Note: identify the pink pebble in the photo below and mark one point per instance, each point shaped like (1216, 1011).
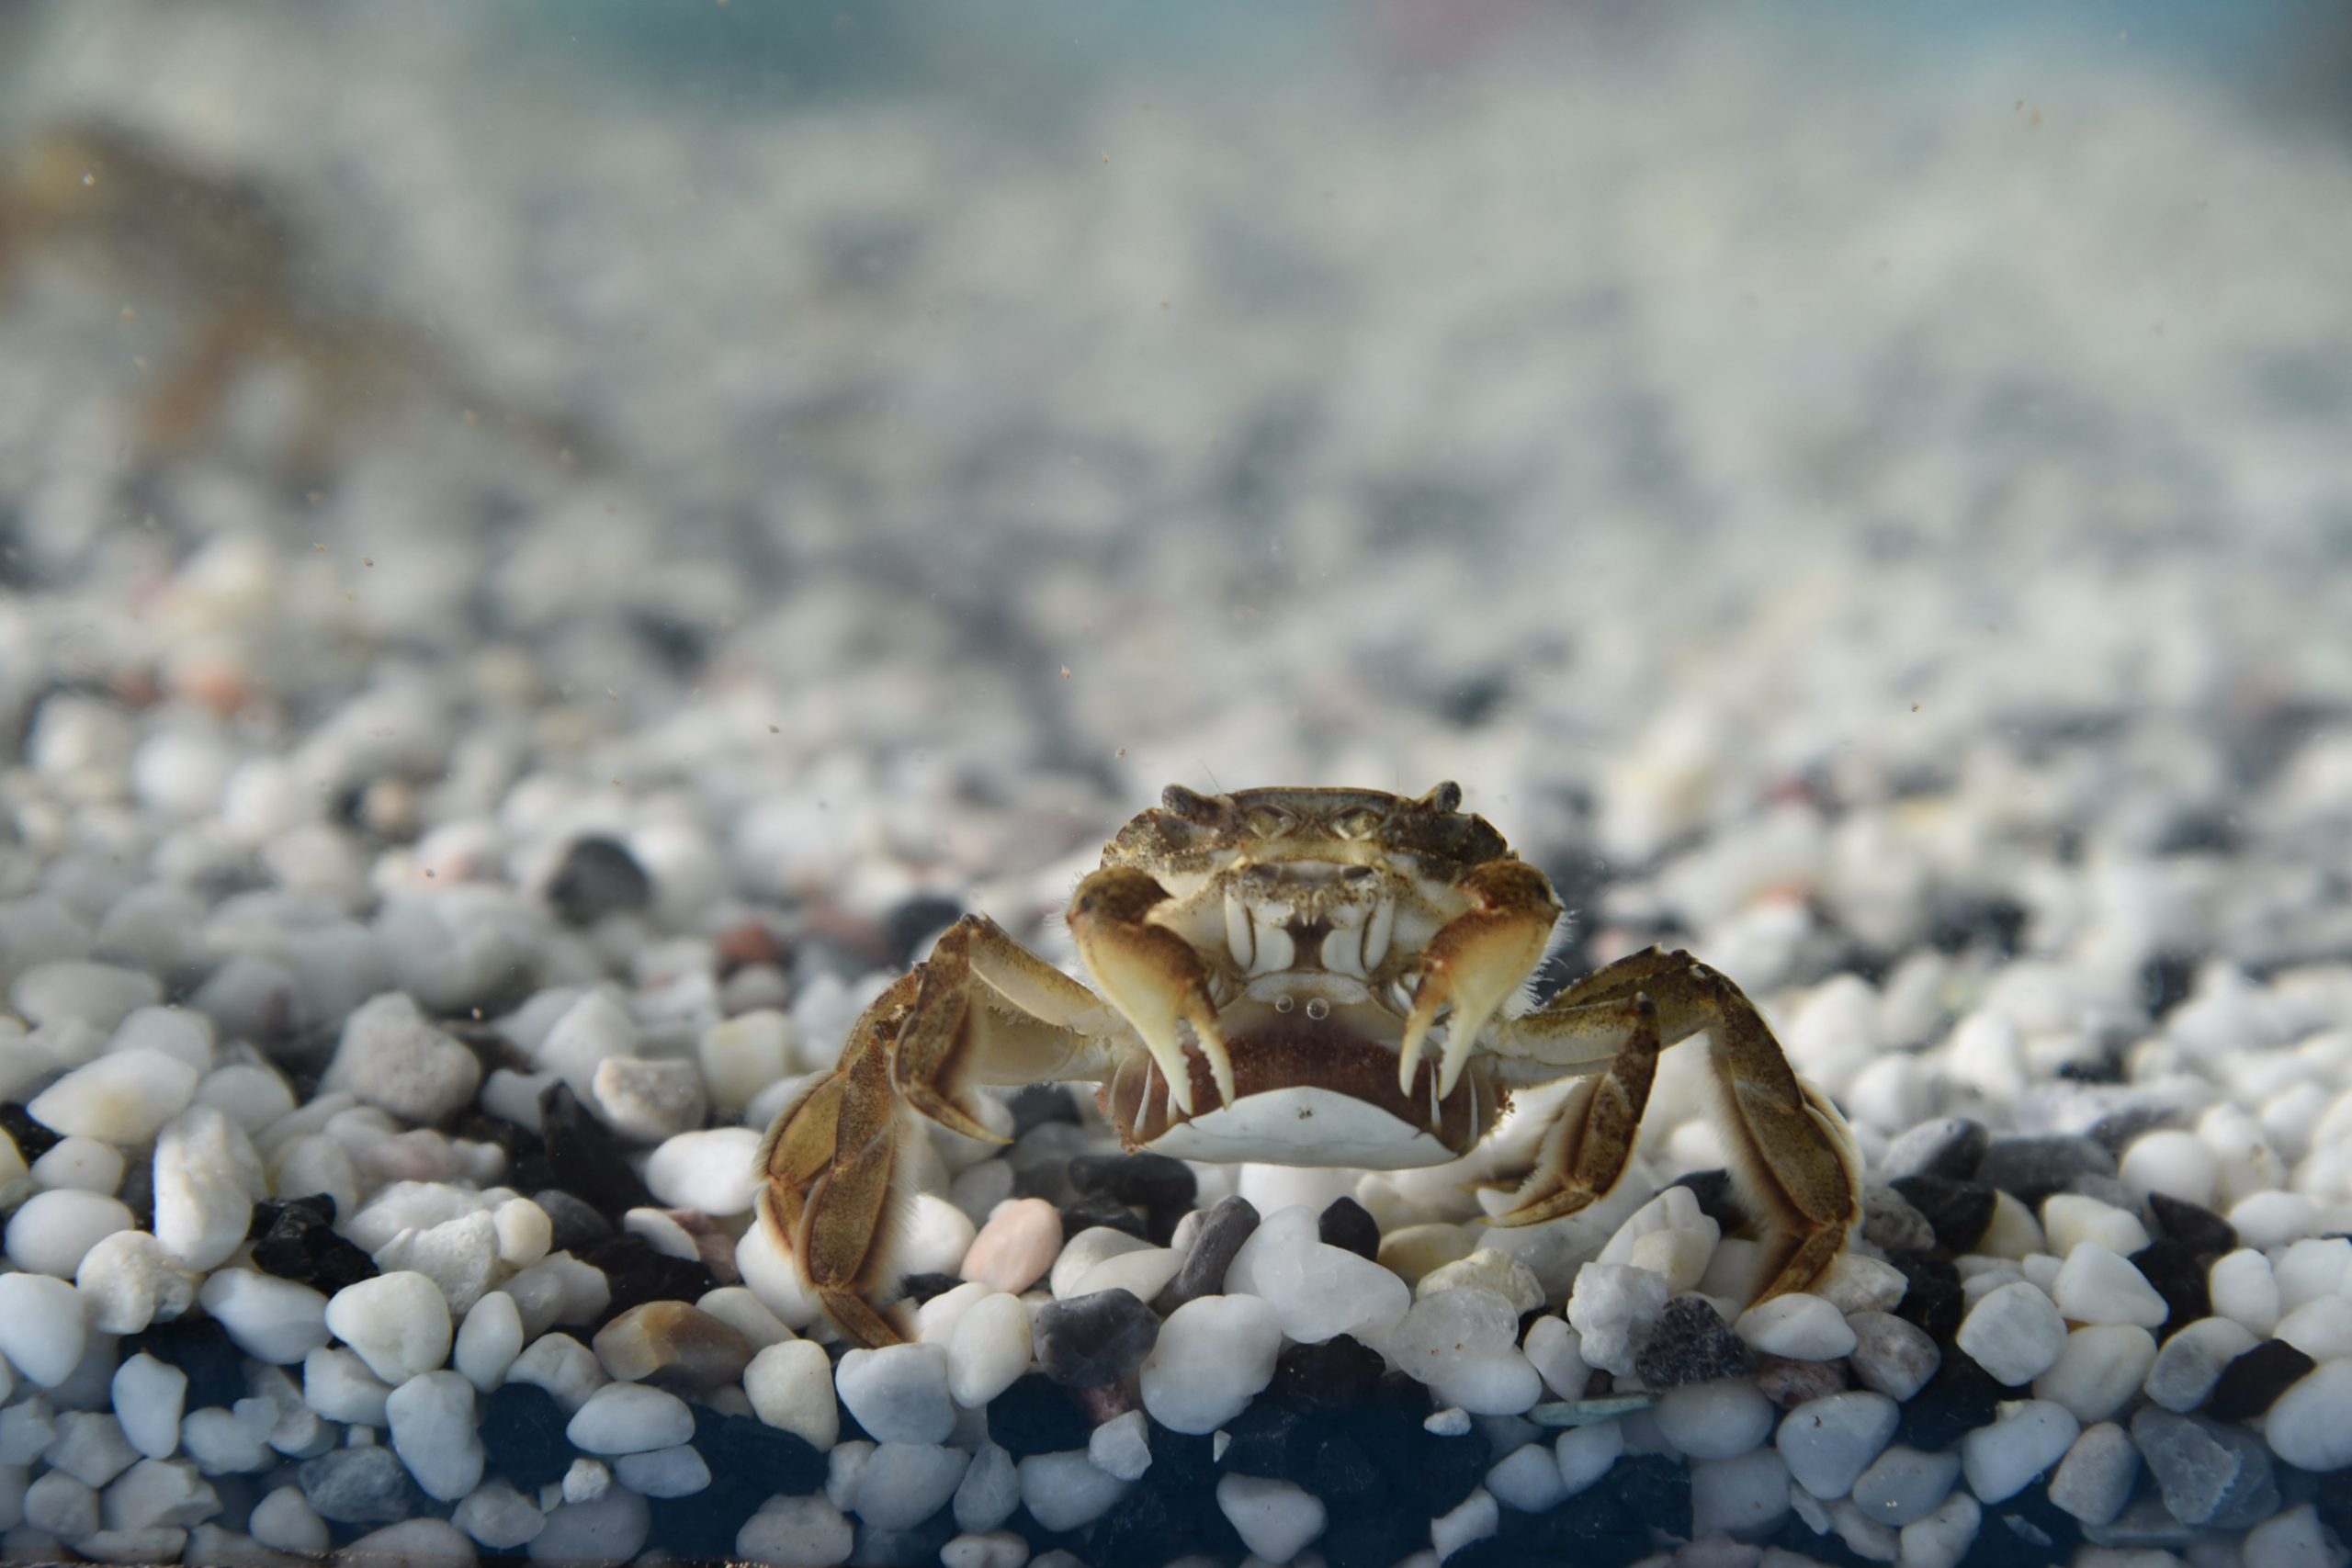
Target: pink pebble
(1016, 1246)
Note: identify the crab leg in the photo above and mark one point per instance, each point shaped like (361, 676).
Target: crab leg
(1584, 1153)
(1151, 975)
(1791, 1151)
(1476, 963)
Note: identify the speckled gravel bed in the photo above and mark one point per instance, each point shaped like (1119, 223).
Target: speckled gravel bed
(1825, 540)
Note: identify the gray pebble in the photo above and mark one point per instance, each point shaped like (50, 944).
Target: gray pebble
(2094, 1480)
(2211, 1474)
(1949, 1148)
(358, 1486)
(1893, 1355)
(1904, 1484)
(1223, 1228)
(2033, 1167)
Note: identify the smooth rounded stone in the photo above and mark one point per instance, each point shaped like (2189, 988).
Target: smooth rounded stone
(1450, 1422)
(796, 1532)
(2012, 1232)
(2027, 1437)
(122, 1098)
(2274, 1219)
(990, 1348)
(1585, 1454)
(52, 1232)
(567, 1369)
(1740, 1494)
(1903, 1484)
(1065, 1490)
(991, 1549)
(207, 1180)
(2252, 1384)
(1799, 1326)
(1121, 1445)
(2095, 1285)
(85, 1165)
(98, 994)
(285, 1522)
(1943, 1537)
(488, 1342)
(791, 1388)
(2102, 1367)
(1502, 1384)
(744, 1055)
(990, 1491)
(1713, 1420)
(399, 1323)
(674, 1344)
(648, 1100)
(902, 1484)
(1893, 1356)
(525, 1232)
(251, 1095)
(41, 1328)
(741, 1311)
(222, 1444)
(1487, 1269)
(1321, 1292)
(2069, 1219)
(1527, 1480)
(391, 1057)
(1222, 1229)
(664, 1234)
(90, 1447)
(630, 1418)
(1474, 1519)
(1451, 1326)
(1828, 1442)
(2310, 1426)
(2320, 1329)
(157, 1543)
(338, 1385)
(561, 1288)
(432, 1421)
(1612, 1308)
(713, 1172)
(2191, 1360)
(2311, 1269)
(366, 1485)
(1214, 1355)
(898, 1393)
(2015, 1333)
(1142, 1275)
(662, 1473)
(1409, 1252)
(149, 1397)
(2174, 1162)
(587, 1480)
(1551, 1349)
(1085, 1251)
(2294, 1539)
(496, 1515)
(2211, 1473)
(412, 1540)
(2245, 1288)
(460, 1256)
(63, 1507)
(1951, 1148)
(2095, 1480)
(1274, 1519)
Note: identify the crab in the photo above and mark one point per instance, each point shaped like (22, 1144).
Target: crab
(1303, 977)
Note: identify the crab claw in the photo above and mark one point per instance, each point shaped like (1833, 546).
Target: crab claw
(1476, 963)
(1151, 976)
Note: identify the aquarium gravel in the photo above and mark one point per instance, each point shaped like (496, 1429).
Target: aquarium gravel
(1839, 543)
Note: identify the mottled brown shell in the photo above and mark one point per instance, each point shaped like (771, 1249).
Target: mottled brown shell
(1189, 831)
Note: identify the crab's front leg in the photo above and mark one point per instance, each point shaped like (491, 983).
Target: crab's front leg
(1476, 963)
(1791, 1152)
(838, 1163)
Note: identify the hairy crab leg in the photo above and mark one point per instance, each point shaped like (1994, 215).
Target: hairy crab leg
(1584, 1153)
(1151, 975)
(1476, 963)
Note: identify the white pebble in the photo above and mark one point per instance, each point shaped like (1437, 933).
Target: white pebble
(990, 1490)
(391, 1057)
(1475, 1517)
(993, 1549)
(714, 1171)
(432, 1420)
(648, 1099)
(148, 1396)
(2310, 1426)
(568, 1369)
(2320, 1329)
(2295, 1538)
(741, 1311)
(83, 1164)
(498, 1517)
(1892, 1355)
(1318, 1291)
(2094, 1480)
(1214, 1355)
(90, 1447)
(791, 1387)
(796, 1532)
(1612, 1308)
(1121, 1445)
(158, 1493)
(902, 1484)
(989, 1350)
(2027, 1437)
(2102, 1367)
(221, 1444)
(2190, 1362)
(587, 1480)
(123, 1098)
(1829, 1441)
(629, 1417)
(2014, 1333)
(97, 994)
(399, 1323)
(2310, 1269)
(2096, 1285)
(41, 1330)
(52, 1232)
(2273, 1219)
(1943, 1537)
(2012, 1232)
(1065, 1490)
(1739, 1495)
(488, 1341)
(419, 1541)
(1274, 1519)
(898, 1393)
(1799, 1326)
(2069, 1219)
(2176, 1163)
(126, 1281)
(1713, 1420)
(664, 1473)
(744, 1055)
(1903, 1484)
(1527, 1480)
(206, 1181)
(247, 1093)
(62, 1505)
(2244, 1289)
(1552, 1348)
(338, 1385)
(1585, 1453)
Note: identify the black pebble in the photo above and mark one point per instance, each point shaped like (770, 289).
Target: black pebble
(920, 1288)
(1162, 1188)
(1035, 1104)
(1692, 1343)
(1654, 1489)
(1829, 1551)
(638, 1274)
(1949, 1148)
(1104, 1213)
(522, 1436)
(2201, 1230)
(749, 1461)
(1931, 1297)
(201, 1348)
(1370, 1536)
(1340, 1374)
(2178, 1276)
(2033, 1167)
(1959, 1398)
(294, 1238)
(2253, 1382)
(2025, 1530)
(1348, 1224)
(1717, 1199)
(575, 1226)
(598, 878)
(33, 1140)
(585, 1159)
(914, 921)
(1957, 1211)
(1093, 1339)
(1036, 1416)
(1226, 1225)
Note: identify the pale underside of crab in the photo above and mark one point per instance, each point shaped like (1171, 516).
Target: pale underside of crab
(1298, 976)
